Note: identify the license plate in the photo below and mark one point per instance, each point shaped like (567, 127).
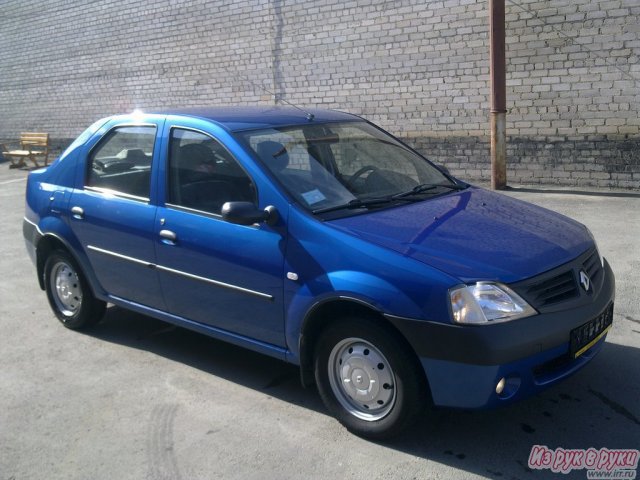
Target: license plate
(586, 336)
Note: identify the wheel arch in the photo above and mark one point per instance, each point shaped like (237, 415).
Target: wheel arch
(329, 311)
(48, 244)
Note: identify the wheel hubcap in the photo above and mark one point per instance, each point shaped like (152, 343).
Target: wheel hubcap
(362, 379)
(65, 286)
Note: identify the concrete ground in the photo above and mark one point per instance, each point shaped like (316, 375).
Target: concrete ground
(135, 398)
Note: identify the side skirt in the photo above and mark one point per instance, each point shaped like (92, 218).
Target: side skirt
(217, 333)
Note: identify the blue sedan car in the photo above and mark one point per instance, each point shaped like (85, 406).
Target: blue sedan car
(318, 238)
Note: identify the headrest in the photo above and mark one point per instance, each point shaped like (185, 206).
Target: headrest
(192, 155)
(274, 154)
(136, 155)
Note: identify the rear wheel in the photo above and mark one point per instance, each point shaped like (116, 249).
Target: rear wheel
(368, 379)
(68, 292)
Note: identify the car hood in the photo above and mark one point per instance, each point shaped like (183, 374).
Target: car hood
(474, 234)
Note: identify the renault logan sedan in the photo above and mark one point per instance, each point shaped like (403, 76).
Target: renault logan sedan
(319, 239)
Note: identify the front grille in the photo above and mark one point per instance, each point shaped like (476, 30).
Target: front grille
(548, 290)
(553, 290)
(593, 267)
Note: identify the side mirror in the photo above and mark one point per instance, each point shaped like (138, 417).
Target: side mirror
(246, 213)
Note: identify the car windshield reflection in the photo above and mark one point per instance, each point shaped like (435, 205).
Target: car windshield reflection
(349, 165)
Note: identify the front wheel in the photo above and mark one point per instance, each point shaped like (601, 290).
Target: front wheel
(68, 292)
(368, 379)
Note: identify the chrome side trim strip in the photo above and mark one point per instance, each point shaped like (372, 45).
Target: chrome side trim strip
(193, 210)
(228, 286)
(121, 257)
(266, 296)
(34, 224)
(203, 213)
(116, 193)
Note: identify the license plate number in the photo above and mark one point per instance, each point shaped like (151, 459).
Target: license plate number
(586, 336)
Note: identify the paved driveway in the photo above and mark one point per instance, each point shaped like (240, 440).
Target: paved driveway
(137, 398)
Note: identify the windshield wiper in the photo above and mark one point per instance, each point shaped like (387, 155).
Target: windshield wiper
(425, 187)
(355, 203)
(358, 203)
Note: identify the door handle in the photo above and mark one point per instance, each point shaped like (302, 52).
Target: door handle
(168, 236)
(77, 212)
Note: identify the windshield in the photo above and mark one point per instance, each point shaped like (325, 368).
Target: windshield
(347, 165)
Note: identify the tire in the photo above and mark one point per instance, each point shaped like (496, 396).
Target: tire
(69, 293)
(393, 389)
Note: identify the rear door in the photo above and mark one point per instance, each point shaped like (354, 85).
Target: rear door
(113, 216)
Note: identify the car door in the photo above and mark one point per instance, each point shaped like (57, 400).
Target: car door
(112, 214)
(213, 272)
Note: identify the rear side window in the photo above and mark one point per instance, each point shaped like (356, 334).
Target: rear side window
(121, 162)
(203, 175)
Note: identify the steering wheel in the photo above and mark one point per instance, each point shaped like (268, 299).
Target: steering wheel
(359, 173)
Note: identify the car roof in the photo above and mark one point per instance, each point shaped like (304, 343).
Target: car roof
(267, 116)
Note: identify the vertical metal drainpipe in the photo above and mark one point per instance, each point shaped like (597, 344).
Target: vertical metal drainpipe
(498, 96)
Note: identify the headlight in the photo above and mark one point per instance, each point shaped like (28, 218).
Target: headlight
(486, 303)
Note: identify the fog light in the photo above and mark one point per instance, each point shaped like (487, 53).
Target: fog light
(508, 386)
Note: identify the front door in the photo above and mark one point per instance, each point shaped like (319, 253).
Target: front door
(213, 272)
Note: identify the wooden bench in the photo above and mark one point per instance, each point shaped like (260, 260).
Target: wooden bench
(32, 146)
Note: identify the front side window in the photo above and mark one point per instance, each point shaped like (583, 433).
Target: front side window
(345, 165)
(203, 175)
(121, 162)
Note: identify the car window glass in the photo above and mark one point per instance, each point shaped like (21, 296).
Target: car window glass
(356, 150)
(122, 161)
(323, 165)
(304, 173)
(203, 175)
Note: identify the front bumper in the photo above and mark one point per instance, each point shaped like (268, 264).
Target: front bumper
(463, 364)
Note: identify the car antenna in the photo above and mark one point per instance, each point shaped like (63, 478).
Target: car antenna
(310, 116)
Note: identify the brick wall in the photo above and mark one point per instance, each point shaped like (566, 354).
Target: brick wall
(420, 69)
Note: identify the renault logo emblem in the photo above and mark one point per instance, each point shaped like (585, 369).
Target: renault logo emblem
(585, 281)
